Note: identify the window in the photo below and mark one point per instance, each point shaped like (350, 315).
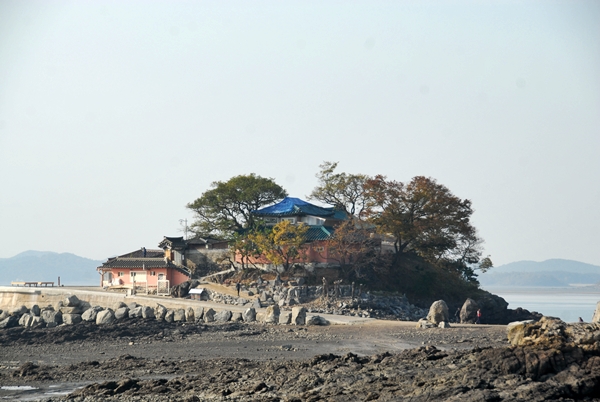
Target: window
(319, 249)
(133, 274)
(121, 274)
(153, 273)
(290, 220)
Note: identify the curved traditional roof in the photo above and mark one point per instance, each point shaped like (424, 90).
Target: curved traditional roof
(291, 206)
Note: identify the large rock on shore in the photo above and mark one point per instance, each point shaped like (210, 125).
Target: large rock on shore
(147, 312)
(198, 313)
(299, 315)
(160, 312)
(209, 315)
(9, 322)
(272, 314)
(550, 332)
(438, 312)
(51, 318)
(468, 312)
(105, 317)
(121, 313)
(71, 301)
(596, 316)
(90, 314)
(249, 315)
(71, 319)
(223, 316)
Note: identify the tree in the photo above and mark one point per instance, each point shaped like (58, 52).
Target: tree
(226, 208)
(352, 245)
(282, 244)
(424, 217)
(344, 191)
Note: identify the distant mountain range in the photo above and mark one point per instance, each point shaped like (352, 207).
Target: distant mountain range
(47, 266)
(549, 273)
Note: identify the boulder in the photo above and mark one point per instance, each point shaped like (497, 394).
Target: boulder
(105, 317)
(181, 290)
(136, 312)
(596, 316)
(209, 315)
(494, 309)
(132, 305)
(36, 322)
(249, 315)
(26, 320)
(121, 313)
(90, 314)
(179, 315)
(237, 316)
(170, 316)
(4, 315)
(285, 318)
(71, 319)
(119, 305)
(190, 315)
(299, 315)
(272, 315)
(35, 310)
(438, 312)
(317, 320)
(444, 324)
(51, 318)
(147, 312)
(71, 310)
(424, 324)
(198, 313)
(71, 301)
(256, 304)
(160, 311)
(9, 322)
(223, 316)
(468, 312)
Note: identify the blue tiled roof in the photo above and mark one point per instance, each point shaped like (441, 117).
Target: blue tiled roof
(295, 206)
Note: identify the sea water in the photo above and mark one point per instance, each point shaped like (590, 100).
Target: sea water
(568, 304)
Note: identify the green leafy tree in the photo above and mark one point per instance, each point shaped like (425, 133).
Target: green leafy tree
(282, 244)
(424, 217)
(226, 208)
(344, 191)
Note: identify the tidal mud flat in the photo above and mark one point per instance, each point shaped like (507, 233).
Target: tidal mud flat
(159, 361)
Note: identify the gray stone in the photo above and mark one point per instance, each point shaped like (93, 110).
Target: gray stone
(468, 312)
(424, 324)
(299, 315)
(51, 318)
(105, 317)
(281, 302)
(198, 313)
(438, 312)
(250, 293)
(223, 316)
(209, 315)
(190, 314)
(25, 320)
(71, 310)
(120, 304)
(256, 304)
(35, 310)
(9, 322)
(71, 301)
(160, 311)
(136, 312)
(121, 313)
(132, 305)
(249, 315)
(36, 322)
(596, 316)
(444, 324)
(71, 319)
(317, 320)
(147, 312)
(237, 316)
(90, 314)
(272, 315)
(179, 315)
(170, 315)
(4, 315)
(285, 318)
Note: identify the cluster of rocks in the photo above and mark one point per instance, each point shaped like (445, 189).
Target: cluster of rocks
(72, 311)
(550, 332)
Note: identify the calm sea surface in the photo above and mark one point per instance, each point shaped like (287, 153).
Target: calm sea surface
(567, 304)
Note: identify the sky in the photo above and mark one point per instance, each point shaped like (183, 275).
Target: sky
(116, 114)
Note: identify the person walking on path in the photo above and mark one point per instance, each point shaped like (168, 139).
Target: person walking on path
(238, 286)
(478, 317)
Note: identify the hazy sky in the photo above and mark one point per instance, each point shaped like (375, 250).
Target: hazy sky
(115, 115)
